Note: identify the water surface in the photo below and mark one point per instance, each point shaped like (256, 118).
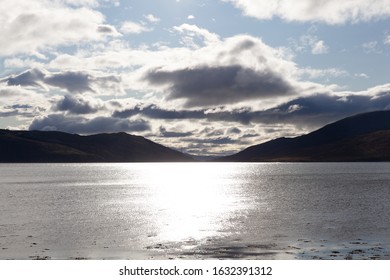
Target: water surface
(195, 210)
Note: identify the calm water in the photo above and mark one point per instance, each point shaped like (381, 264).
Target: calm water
(195, 210)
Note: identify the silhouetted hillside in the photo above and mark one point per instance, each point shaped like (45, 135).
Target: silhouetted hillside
(364, 137)
(51, 146)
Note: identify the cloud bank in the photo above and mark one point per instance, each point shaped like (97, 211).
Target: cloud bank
(31, 26)
(327, 11)
(72, 81)
(80, 125)
(206, 86)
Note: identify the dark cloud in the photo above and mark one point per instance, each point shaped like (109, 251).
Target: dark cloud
(19, 106)
(85, 126)
(6, 114)
(206, 150)
(72, 81)
(317, 110)
(233, 130)
(20, 110)
(207, 85)
(245, 44)
(173, 134)
(215, 141)
(308, 111)
(250, 135)
(212, 132)
(107, 29)
(154, 112)
(76, 105)
(32, 77)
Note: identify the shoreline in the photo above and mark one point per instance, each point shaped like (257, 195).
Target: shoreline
(230, 249)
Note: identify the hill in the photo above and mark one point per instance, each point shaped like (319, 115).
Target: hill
(364, 137)
(53, 146)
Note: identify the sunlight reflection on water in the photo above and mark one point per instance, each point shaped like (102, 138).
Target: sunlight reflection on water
(189, 201)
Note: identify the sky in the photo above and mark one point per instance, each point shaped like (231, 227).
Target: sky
(207, 78)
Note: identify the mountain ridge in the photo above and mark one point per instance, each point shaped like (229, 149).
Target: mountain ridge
(363, 137)
(349, 139)
(56, 146)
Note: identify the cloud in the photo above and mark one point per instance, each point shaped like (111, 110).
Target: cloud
(152, 18)
(22, 63)
(211, 132)
(371, 47)
(14, 95)
(387, 40)
(319, 73)
(317, 110)
(33, 77)
(78, 105)
(242, 115)
(242, 66)
(172, 134)
(192, 32)
(319, 48)
(133, 28)
(18, 110)
(80, 125)
(214, 141)
(108, 29)
(308, 111)
(19, 106)
(204, 86)
(154, 112)
(250, 135)
(21, 111)
(362, 75)
(91, 3)
(312, 43)
(190, 17)
(233, 130)
(236, 69)
(116, 3)
(72, 81)
(33, 25)
(327, 11)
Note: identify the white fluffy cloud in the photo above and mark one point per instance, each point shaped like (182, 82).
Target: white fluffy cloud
(190, 33)
(152, 18)
(91, 3)
(29, 26)
(133, 27)
(319, 48)
(311, 43)
(328, 11)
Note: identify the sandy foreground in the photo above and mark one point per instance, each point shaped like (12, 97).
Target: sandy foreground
(226, 248)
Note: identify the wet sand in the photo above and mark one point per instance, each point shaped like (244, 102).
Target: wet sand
(301, 249)
(32, 248)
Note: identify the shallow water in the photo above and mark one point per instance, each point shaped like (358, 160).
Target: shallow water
(195, 210)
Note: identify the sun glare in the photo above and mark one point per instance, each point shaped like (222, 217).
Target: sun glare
(190, 199)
